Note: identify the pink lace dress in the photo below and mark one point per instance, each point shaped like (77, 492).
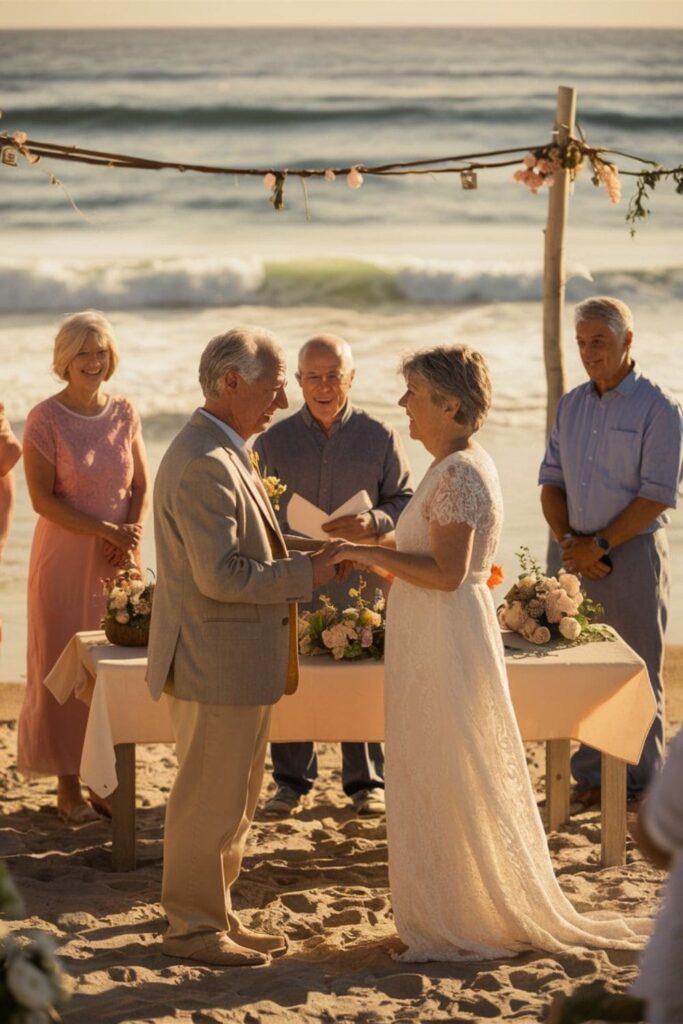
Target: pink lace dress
(93, 461)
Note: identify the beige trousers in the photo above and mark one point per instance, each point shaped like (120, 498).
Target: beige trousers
(221, 750)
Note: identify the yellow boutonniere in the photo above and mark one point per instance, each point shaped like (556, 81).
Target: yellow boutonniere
(273, 485)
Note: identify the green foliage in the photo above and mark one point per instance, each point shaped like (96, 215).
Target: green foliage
(646, 182)
(527, 562)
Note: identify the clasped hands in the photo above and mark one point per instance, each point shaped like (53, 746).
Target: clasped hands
(336, 558)
(582, 554)
(121, 542)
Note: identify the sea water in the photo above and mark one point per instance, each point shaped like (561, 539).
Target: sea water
(395, 265)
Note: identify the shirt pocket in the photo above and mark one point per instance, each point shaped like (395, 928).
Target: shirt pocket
(622, 458)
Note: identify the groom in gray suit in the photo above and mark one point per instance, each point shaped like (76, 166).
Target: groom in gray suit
(222, 641)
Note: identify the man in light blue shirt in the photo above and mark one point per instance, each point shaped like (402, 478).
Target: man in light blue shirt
(611, 469)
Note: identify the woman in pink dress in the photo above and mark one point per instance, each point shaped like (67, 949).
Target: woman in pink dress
(10, 453)
(87, 477)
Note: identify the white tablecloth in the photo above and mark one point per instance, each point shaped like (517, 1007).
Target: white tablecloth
(598, 693)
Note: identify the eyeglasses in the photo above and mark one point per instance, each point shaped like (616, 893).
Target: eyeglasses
(333, 379)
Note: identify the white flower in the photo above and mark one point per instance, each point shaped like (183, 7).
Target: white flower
(526, 587)
(535, 608)
(369, 618)
(29, 986)
(570, 628)
(528, 629)
(541, 636)
(535, 633)
(350, 613)
(559, 603)
(366, 637)
(118, 598)
(136, 586)
(548, 583)
(515, 616)
(122, 617)
(570, 583)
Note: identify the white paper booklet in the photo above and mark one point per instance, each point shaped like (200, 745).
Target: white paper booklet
(305, 517)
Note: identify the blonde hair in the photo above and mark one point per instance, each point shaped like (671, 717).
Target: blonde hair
(73, 333)
(454, 371)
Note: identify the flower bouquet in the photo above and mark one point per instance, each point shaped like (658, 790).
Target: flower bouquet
(354, 633)
(541, 607)
(32, 983)
(129, 608)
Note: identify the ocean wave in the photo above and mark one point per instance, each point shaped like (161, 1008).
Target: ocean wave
(534, 111)
(213, 282)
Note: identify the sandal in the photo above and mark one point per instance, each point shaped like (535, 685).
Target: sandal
(77, 814)
(101, 805)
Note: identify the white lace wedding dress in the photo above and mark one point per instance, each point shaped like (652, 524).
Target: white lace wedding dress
(469, 868)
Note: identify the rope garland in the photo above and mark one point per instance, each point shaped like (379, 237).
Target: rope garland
(540, 165)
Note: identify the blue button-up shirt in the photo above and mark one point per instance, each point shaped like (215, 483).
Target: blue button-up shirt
(604, 451)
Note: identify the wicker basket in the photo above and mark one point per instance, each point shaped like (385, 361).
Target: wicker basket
(126, 634)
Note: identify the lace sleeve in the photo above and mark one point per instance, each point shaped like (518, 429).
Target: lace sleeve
(459, 497)
(39, 431)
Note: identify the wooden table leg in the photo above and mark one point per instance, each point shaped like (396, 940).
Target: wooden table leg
(613, 813)
(123, 810)
(557, 779)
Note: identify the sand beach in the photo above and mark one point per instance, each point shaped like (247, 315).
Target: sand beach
(320, 876)
(174, 259)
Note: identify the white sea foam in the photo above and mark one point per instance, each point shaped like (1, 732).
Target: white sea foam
(51, 285)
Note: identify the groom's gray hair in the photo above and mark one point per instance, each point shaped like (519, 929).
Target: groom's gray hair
(248, 350)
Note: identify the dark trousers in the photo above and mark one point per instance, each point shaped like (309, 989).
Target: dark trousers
(635, 597)
(296, 765)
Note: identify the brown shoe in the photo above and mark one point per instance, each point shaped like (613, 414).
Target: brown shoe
(264, 942)
(217, 949)
(275, 945)
(583, 799)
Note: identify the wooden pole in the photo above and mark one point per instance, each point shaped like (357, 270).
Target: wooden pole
(553, 266)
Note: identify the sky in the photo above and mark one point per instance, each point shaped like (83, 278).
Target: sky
(295, 13)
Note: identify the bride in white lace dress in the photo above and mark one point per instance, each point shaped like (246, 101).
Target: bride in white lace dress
(469, 868)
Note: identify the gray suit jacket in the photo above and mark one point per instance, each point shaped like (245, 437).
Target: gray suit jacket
(220, 615)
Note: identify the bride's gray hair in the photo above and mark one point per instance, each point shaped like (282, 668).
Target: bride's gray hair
(454, 371)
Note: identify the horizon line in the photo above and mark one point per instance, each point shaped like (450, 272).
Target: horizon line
(344, 25)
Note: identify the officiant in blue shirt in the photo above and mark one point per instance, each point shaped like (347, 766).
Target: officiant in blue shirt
(327, 452)
(610, 472)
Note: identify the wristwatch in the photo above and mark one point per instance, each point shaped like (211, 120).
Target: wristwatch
(602, 543)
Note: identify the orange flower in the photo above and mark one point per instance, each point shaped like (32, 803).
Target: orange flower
(497, 576)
